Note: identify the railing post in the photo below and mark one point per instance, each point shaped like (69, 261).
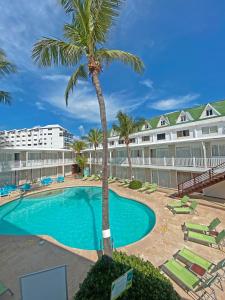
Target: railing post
(194, 162)
(173, 161)
(164, 161)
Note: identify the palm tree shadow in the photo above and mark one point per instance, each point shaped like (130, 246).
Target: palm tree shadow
(89, 196)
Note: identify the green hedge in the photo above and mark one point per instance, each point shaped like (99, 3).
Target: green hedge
(148, 283)
(135, 184)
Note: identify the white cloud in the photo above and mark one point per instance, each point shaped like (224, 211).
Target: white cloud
(83, 104)
(40, 105)
(148, 83)
(174, 102)
(56, 77)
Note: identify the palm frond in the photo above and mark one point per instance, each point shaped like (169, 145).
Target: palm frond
(6, 66)
(50, 51)
(104, 13)
(80, 73)
(5, 97)
(108, 56)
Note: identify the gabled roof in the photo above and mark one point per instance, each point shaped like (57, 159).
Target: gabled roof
(195, 113)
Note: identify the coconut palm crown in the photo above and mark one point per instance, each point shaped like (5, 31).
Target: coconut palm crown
(78, 146)
(6, 67)
(83, 47)
(125, 127)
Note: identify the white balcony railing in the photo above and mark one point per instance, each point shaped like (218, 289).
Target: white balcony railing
(165, 161)
(19, 165)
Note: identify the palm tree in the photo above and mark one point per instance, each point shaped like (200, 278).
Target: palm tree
(127, 126)
(78, 146)
(6, 67)
(81, 161)
(83, 44)
(95, 138)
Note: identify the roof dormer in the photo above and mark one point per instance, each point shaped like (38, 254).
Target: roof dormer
(113, 133)
(163, 121)
(209, 111)
(184, 117)
(146, 126)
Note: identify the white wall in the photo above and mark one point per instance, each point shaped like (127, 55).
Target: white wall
(216, 190)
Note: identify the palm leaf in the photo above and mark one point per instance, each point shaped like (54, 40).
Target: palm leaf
(104, 13)
(6, 66)
(53, 51)
(108, 56)
(80, 73)
(5, 97)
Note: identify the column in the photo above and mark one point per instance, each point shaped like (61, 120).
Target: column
(143, 156)
(90, 162)
(110, 164)
(63, 166)
(204, 155)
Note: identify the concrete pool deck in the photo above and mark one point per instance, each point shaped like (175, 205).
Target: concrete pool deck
(20, 255)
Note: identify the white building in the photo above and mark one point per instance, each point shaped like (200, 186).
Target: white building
(50, 136)
(20, 165)
(171, 148)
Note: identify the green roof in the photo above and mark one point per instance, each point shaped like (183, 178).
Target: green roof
(195, 113)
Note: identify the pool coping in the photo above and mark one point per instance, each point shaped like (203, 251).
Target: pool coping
(84, 252)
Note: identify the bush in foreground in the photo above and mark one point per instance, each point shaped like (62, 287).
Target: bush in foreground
(148, 283)
(135, 184)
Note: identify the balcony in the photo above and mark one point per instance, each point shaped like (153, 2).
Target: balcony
(33, 164)
(166, 162)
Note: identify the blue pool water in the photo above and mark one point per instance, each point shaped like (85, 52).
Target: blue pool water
(73, 217)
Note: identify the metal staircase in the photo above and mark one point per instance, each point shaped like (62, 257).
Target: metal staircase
(202, 181)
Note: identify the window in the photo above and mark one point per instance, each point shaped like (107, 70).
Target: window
(161, 136)
(218, 150)
(132, 140)
(49, 133)
(121, 142)
(209, 130)
(209, 112)
(183, 133)
(146, 126)
(163, 122)
(183, 118)
(111, 143)
(146, 138)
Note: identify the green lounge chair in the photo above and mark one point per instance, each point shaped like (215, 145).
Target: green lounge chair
(180, 274)
(144, 187)
(4, 289)
(186, 210)
(112, 180)
(189, 257)
(92, 177)
(85, 178)
(202, 228)
(182, 202)
(127, 184)
(206, 239)
(188, 280)
(152, 188)
(123, 182)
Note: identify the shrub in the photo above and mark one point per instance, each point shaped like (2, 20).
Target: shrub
(148, 282)
(135, 184)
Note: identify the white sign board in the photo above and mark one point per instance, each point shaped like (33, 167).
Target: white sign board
(45, 285)
(121, 284)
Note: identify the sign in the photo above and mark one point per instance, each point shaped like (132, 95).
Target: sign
(121, 284)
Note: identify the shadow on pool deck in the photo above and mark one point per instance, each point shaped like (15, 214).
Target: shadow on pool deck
(27, 255)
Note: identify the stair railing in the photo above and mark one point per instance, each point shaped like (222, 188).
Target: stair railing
(208, 175)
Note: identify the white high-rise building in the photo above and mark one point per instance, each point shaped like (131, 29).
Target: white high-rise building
(50, 136)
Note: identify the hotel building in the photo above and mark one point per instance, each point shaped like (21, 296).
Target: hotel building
(27, 155)
(171, 148)
(50, 136)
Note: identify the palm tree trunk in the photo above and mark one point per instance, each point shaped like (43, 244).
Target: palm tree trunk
(105, 190)
(129, 162)
(95, 159)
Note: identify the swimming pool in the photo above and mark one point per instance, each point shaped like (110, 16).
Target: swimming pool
(73, 216)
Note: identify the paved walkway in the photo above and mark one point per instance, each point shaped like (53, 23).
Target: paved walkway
(21, 255)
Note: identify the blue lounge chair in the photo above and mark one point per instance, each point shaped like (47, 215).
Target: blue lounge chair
(4, 192)
(60, 179)
(26, 187)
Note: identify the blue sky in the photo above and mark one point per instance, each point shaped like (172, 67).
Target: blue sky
(181, 43)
